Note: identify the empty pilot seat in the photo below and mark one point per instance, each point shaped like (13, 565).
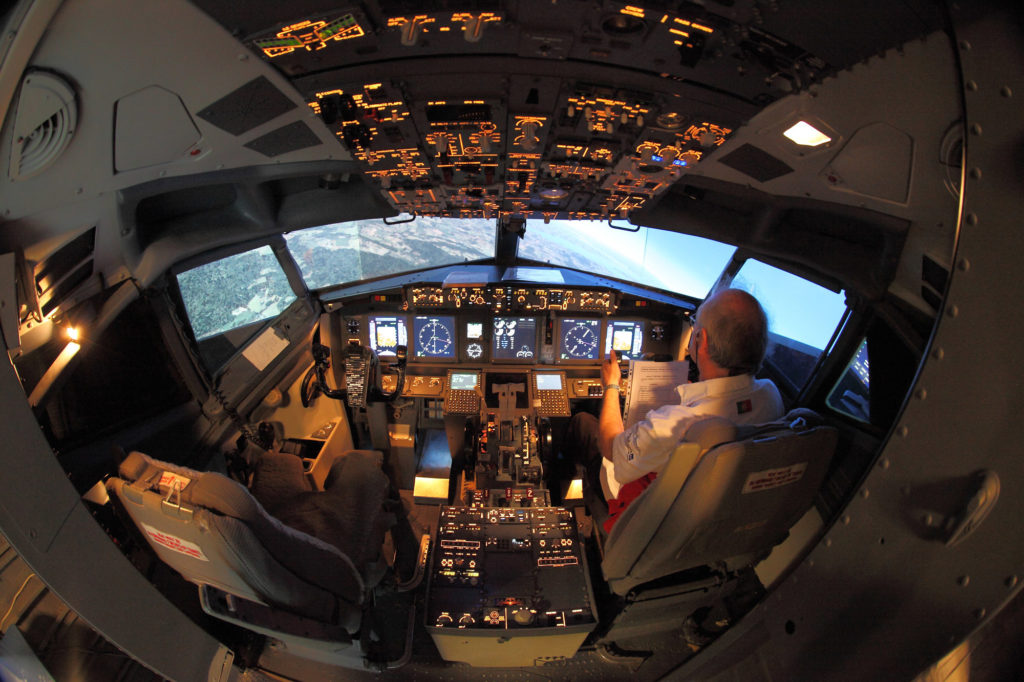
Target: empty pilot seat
(691, 534)
(302, 578)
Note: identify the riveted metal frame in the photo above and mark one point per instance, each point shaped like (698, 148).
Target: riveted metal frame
(878, 598)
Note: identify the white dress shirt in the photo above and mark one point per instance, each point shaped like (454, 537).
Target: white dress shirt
(647, 445)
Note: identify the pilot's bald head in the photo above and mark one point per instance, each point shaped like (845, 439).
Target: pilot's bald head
(737, 330)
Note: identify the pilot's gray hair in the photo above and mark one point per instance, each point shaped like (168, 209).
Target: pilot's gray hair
(737, 330)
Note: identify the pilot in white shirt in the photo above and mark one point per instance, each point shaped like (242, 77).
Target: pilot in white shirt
(728, 343)
(647, 445)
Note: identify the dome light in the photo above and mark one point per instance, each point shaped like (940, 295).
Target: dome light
(806, 135)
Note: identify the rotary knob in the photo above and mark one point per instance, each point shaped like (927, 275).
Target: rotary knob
(443, 620)
(522, 616)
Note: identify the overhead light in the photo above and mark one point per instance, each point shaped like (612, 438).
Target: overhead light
(72, 333)
(806, 135)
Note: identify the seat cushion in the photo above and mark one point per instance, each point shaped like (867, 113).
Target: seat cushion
(350, 513)
(279, 477)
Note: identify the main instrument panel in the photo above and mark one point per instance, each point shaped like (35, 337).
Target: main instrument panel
(463, 342)
(513, 325)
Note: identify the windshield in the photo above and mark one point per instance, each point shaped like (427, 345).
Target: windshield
(672, 261)
(363, 249)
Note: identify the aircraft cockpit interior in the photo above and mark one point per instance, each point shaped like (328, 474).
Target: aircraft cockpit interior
(307, 305)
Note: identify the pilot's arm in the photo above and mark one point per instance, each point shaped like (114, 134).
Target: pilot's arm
(609, 424)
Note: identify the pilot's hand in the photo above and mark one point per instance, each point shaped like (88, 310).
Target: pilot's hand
(610, 373)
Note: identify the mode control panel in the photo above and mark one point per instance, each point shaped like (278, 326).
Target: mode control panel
(505, 299)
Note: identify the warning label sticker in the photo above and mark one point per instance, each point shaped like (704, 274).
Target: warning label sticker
(773, 478)
(173, 481)
(174, 543)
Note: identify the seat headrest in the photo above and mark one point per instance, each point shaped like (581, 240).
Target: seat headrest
(204, 489)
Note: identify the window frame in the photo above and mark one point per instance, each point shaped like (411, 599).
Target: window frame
(292, 274)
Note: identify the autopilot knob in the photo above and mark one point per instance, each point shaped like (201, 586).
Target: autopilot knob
(522, 616)
(466, 619)
(443, 620)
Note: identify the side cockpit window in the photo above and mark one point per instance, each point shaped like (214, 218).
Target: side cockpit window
(226, 300)
(851, 395)
(802, 318)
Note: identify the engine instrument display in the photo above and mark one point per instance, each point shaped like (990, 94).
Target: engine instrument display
(514, 338)
(434, 336)
(579, 339)
(474, 340)
(626, 338)
(387, 332)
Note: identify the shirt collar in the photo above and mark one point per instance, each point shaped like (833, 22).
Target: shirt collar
(713, 388)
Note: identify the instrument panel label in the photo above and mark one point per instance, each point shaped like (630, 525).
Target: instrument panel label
(773, 478)
(174, 543)
(173, 481)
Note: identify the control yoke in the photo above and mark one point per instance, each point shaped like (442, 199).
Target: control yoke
(362, 376)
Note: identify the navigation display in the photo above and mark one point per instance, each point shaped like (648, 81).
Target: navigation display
(549, 382)
(579, 339)
(463, 381)
(515, 338)
(626, 338)
(387, 332)
(434, 336)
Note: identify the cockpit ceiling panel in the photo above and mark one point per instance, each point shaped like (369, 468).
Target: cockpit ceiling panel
(747, 48)
(247, 107)
(542, 109)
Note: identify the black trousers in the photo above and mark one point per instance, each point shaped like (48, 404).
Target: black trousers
(581, 446)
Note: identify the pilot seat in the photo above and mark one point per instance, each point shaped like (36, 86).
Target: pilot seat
(682, 554)
(302, 576)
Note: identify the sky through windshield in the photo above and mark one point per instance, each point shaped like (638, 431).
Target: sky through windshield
(676, 262)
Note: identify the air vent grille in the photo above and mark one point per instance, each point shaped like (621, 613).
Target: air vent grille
(46, 121)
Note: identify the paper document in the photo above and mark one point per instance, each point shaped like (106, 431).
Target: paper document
(651, 385)
(264, 349)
